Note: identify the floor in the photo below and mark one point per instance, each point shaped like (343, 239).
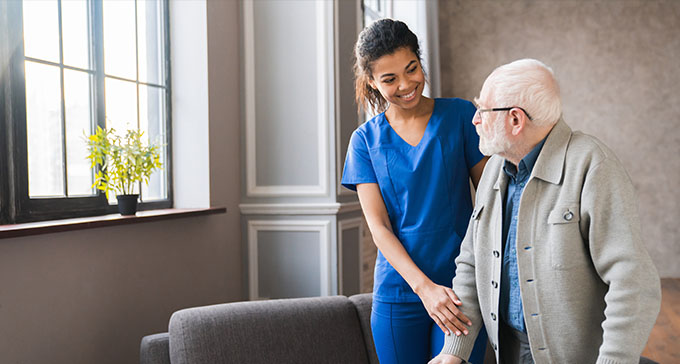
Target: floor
(664, 342)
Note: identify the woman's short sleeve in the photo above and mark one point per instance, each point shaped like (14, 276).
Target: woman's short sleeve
(358, 166)
(472, 153)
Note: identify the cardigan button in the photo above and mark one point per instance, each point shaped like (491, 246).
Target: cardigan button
(494, 284)
(496, 253)
(568, 215)
(493, 316)
(495, 347)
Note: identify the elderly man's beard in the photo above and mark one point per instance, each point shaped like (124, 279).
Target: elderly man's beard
(495, 143)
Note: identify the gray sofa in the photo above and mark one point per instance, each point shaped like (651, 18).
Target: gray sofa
(334, 330)
(302, 330)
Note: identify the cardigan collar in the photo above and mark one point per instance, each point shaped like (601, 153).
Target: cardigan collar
(550, 163)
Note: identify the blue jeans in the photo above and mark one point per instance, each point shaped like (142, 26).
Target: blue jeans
(404, 333)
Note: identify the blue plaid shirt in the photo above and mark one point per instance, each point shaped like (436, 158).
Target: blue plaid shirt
(511, 301)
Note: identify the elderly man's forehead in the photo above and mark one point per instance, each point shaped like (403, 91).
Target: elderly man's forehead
(485, 94)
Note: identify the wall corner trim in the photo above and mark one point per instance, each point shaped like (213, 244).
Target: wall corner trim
(331, 208)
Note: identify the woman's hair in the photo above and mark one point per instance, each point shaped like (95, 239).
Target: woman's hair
(529, 84)
(382, 37)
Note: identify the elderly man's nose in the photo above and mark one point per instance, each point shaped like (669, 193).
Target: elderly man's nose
(476, 119)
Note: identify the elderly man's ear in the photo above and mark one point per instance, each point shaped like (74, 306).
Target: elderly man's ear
(517, 122)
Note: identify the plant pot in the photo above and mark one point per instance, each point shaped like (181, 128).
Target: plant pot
(127, 204)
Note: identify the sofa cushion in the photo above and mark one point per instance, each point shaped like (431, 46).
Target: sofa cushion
(302, 330)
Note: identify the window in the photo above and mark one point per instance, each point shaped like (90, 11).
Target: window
(68, 66)
(374, 10)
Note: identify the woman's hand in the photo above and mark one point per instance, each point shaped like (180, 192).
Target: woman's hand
(441, 304)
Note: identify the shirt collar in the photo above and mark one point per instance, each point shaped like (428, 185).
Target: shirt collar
(526, 165)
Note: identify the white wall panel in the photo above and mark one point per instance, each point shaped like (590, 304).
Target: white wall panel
(303, 250)
(287, 83)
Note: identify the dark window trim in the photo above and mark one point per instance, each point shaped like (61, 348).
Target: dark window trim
(15, 204)
(56, 226)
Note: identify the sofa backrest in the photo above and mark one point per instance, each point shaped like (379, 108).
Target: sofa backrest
(301, 330)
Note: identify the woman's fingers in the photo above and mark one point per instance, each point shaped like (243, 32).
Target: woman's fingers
(448, 322)
(452, 321)
(458, 313)
(439, 323)
(452, 295)
(441, 303)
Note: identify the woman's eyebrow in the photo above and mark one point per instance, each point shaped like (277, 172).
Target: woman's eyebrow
(392, 74)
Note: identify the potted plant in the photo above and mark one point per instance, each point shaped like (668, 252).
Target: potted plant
(121, 163)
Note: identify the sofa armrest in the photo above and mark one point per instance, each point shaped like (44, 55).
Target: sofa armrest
(363, 303)
(155, 349)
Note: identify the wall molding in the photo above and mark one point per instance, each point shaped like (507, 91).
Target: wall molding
(324, 82)
(332, 208)
(339, 164)
(320, 226)
(343, 225)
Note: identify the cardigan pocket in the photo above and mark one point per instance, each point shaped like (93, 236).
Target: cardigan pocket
(567, 248)
(565, 214)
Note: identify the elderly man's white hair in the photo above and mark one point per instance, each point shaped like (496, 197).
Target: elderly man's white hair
(531, 85)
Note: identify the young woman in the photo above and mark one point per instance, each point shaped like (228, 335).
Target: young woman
(411, 167)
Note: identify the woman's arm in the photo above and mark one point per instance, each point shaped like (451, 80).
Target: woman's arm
(439, 301)
(476, 171)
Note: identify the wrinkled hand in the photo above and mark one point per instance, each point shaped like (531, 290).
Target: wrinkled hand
(441, 304)
(446, 359)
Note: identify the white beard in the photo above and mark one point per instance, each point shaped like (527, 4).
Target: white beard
(497, 144)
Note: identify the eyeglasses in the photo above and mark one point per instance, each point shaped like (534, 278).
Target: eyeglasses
(480, 111)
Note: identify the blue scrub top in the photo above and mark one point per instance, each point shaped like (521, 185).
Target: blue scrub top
(425, 189)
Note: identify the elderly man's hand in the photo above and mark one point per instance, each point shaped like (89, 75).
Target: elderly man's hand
(446, 359)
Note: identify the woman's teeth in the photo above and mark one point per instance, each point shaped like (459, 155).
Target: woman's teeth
(409, 95)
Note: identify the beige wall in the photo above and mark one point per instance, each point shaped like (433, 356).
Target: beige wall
(89, 296)
(619, 69)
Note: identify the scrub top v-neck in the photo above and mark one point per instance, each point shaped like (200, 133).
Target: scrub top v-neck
(425, 189)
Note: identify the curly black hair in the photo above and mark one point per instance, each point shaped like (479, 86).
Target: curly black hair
(382, 37)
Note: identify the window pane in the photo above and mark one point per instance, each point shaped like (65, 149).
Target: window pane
(373, 4)
(119, 39)
(78, 123)
(150, 41)
(74, 17)
(121, 110)
(151, 117)
(121, 105)
(41, 29)
(43, 129)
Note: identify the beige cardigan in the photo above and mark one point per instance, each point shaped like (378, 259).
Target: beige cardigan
(590, 291)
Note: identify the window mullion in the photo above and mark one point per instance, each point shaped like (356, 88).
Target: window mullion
(64, 149)
(167, 129)
(139, 184)
(98, 47)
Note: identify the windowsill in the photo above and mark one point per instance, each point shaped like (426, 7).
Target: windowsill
(55, 226)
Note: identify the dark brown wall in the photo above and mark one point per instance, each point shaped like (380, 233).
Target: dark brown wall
(618, 65)
(89, 296)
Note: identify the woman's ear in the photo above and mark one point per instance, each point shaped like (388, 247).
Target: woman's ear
(372, 84)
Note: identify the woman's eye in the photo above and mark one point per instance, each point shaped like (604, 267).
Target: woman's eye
(412, 69)
(389, 80)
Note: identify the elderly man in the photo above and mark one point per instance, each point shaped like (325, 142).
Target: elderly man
(553, 262)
